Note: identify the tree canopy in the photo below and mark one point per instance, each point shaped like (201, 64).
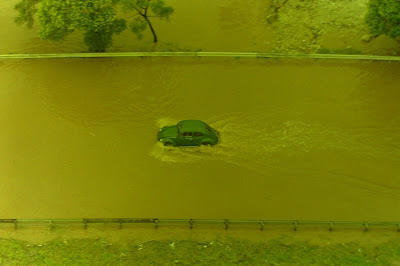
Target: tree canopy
(146, 9)
(97, 18)
(27, 10)
(383, 17)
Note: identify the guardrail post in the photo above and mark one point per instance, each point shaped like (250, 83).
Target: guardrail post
(330, 226)
(365, 226)
(261, 226)
(191, 223)
(226, 222)
(156, 223)
(295, 225)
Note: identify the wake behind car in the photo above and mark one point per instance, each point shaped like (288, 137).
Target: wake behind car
(188, 133)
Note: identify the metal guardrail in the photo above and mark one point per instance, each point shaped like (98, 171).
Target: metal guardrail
(225, 224)
(201, 54)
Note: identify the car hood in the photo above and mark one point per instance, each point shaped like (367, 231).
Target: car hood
(169, 131)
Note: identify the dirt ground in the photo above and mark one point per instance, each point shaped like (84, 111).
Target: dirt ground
(324, 26)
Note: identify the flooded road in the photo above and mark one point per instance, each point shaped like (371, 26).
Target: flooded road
(300, 139)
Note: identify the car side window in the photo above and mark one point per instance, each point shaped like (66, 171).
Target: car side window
(197, 134)
(187, 134)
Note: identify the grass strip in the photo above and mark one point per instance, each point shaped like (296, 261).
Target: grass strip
(229, 251)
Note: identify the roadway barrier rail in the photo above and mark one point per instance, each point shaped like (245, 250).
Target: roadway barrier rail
(226, 224)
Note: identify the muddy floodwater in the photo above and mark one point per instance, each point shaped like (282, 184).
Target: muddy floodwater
(300, 139)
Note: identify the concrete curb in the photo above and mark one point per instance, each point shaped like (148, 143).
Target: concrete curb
(201, 54)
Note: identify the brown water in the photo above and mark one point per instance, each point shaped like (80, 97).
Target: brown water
(300, 139)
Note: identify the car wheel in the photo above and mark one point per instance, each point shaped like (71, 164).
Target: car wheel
(206, 144)
(167, 144)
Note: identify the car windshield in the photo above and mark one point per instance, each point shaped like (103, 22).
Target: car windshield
(197, 134)
(187, 134)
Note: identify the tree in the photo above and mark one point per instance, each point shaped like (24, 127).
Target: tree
(58, 18)
(383, 17)
(27, 10)
(145, 9)
(97, 18)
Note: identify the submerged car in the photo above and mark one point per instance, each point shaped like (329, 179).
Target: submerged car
(188, 133)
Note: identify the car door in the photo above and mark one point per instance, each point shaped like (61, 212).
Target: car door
(186, 138)
(197, 138)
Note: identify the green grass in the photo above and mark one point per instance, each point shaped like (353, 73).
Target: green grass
(187, 252)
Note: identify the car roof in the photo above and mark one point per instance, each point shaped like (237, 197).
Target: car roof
(192, 126)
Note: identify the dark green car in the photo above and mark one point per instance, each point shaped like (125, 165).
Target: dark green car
(188, 133)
